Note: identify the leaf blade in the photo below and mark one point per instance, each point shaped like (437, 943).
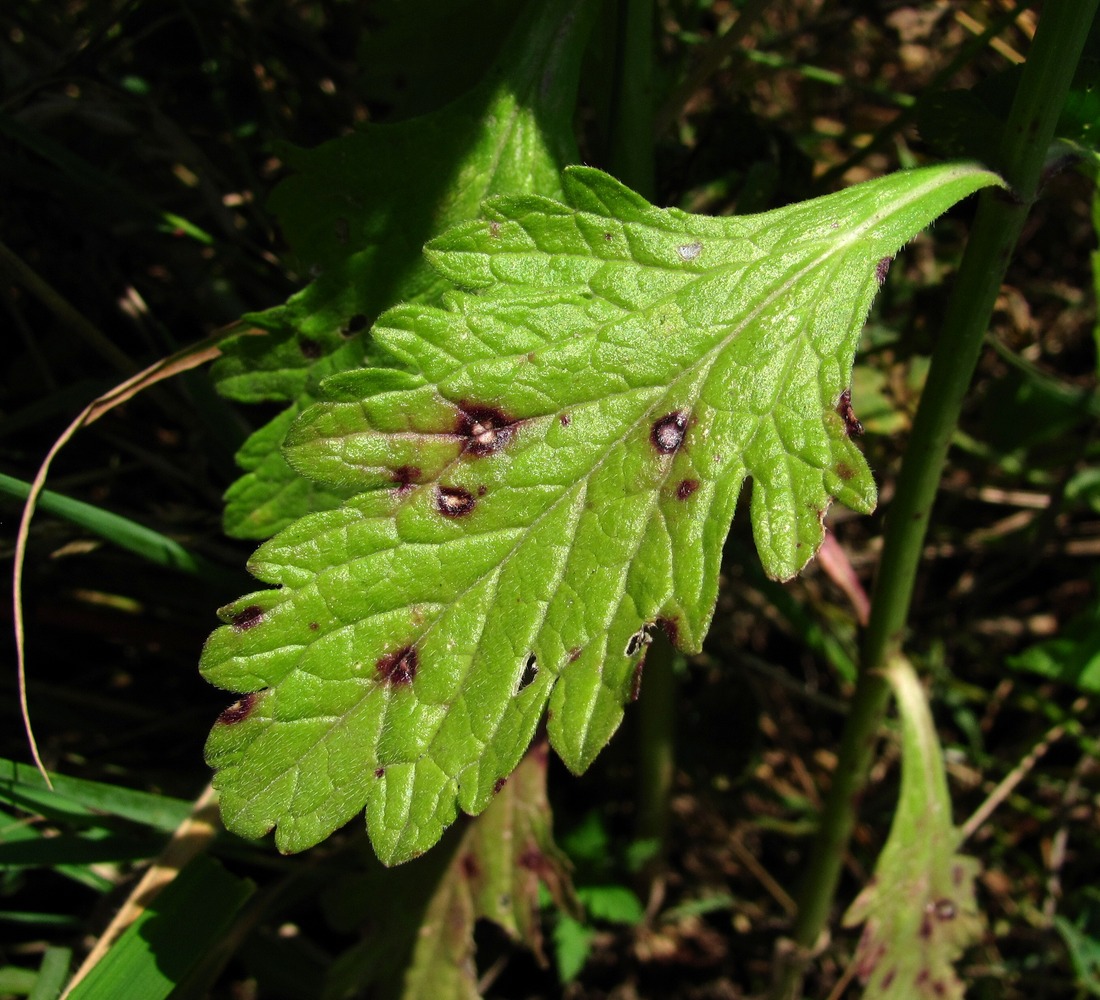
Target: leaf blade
(551, 479)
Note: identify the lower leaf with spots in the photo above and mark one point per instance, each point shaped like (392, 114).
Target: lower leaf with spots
(550, 476)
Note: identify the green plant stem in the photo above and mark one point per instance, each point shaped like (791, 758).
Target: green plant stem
(1028, 134)
(656, 748)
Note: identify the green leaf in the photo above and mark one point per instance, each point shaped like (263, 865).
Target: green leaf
(550, 479)
(360, 209)
(614, 903)
(175, 933)
(919, 911)
(1084, 953)
(1071, 657)
(423, 943)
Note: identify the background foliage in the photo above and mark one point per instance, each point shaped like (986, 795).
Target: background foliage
(141, 144)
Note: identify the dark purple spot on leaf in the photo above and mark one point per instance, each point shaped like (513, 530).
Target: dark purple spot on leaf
(686, 487)
(247, 618)
(608, 237)
(845, 471)
(888, 977)
(882, 268)
(309, 348)
(636, 680)
(469, 866)
(532, 859)
(671, 629)
(239, 710)
(494, 230)
(482, 490)
(565, 420)
(498, 785)
(453, 501)
(925, 931)
(848, 415)
(485, 428)
(574, 654)
(399, 667)
(313, 626)
(379, 772)
(405, 476)
(668, 432)
(530, 672)
(355, 325)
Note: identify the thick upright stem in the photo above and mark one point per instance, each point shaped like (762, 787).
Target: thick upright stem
(1028, 133)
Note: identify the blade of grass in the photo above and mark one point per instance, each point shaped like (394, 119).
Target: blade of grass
(23, 786)
(52, 974)
(183, 853)
(126, 534)
(175, 932)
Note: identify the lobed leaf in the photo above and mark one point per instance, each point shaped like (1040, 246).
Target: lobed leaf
(549, 478)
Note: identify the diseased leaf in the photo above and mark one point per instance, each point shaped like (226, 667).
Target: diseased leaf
(548, 479)
(359, 211)
(919, 911)
(422, 940)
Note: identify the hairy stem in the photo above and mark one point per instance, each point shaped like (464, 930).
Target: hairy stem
(1028, 133)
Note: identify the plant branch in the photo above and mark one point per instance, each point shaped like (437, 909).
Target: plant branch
(1027, 136)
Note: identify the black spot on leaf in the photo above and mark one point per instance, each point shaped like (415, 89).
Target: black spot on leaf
(565, 420)
(530, 672)
(686, 487)
(485, 428)
(574, 654)
(400, 666)
(848, 415)
(453, 501)
(498, 785)
(379, 772)
(638, 640)
(309, 348)
(313, 626)
(239, 710)
(248, 618)
(668, 432)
